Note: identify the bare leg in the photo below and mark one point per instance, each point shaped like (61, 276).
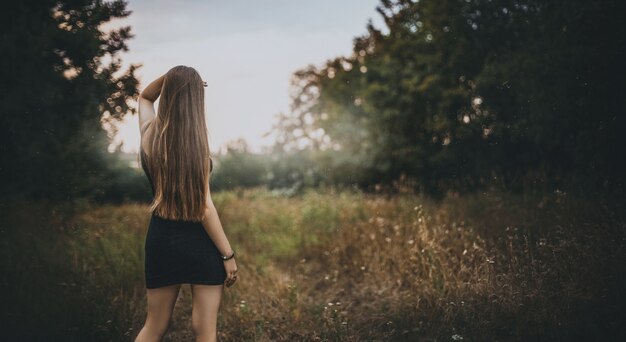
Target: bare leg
(206, 304)
(161, 303)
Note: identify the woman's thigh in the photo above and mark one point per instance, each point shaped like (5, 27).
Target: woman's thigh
(206, 303)
(161, 303)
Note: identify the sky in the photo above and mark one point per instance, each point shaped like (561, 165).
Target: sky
(245, 50)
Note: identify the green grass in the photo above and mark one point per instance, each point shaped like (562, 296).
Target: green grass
(334, 266)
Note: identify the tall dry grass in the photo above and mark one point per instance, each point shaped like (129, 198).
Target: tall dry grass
(342, 266)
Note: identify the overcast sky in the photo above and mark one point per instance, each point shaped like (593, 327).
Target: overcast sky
(245, 50)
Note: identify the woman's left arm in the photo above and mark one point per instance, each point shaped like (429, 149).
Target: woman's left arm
(146, 102)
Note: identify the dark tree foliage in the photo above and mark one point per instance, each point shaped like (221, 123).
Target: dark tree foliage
(61, 78)
(463, 95)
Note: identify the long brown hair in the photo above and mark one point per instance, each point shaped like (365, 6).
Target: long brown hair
(179, 158)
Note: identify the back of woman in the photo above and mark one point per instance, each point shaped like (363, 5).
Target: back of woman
(185, 241)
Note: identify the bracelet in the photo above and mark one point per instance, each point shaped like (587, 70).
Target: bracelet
(228, 257)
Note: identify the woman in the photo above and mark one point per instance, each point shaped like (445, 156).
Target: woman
(185, 242)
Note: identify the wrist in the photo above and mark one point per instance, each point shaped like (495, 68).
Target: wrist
(228, 256)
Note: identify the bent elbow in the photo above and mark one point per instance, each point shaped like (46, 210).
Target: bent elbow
(142, 98)
(209, 209)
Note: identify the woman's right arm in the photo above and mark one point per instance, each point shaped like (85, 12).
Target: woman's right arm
(213, 226)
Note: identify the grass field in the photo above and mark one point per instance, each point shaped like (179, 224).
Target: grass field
(334, 266)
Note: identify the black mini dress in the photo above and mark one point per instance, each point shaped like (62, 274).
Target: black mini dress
(179, 252)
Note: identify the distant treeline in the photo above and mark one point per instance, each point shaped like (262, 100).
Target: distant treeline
(456, 95)
(468, 94)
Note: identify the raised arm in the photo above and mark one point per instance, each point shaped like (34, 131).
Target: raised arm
(146, 102)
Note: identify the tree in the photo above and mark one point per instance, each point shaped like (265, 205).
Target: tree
(56, 89)
(463, 95)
